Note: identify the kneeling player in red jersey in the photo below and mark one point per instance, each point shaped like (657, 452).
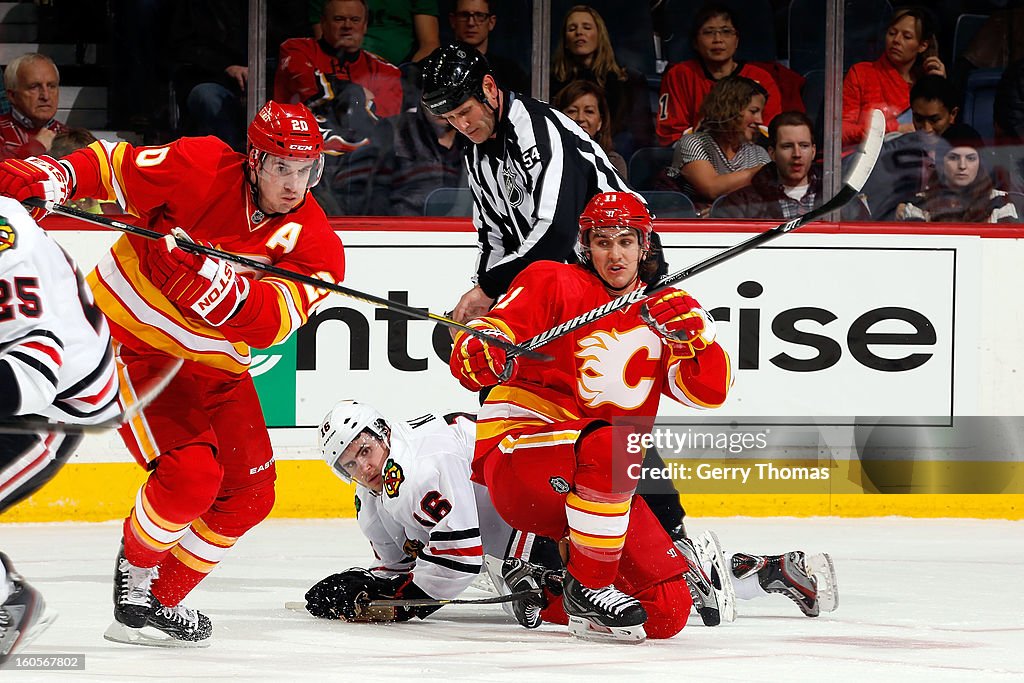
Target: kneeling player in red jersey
(545, 445)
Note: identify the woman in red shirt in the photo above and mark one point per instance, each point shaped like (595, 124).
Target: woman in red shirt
(911, 51)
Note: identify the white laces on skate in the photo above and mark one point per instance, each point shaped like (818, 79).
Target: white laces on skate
(610, 599)
(181, 614)
(136, 582)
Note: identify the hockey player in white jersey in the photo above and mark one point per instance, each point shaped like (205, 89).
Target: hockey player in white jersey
(428, 525)
(56, 362)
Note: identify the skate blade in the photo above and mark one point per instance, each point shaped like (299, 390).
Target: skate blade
(148, 636)
(711, 549)
(588, 630)
(34, 631)
(492, 569)
(823, 571)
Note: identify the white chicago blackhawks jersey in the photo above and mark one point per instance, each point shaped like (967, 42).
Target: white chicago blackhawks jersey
(429, 517)
(52, 336)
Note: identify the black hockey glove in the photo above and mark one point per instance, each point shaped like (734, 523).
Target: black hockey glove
(347, 595)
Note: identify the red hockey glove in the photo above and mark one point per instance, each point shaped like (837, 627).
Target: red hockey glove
(207, 286)
(477, 364)
(678, 318)
(42, 177)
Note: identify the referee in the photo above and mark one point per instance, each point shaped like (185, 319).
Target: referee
(531, 170)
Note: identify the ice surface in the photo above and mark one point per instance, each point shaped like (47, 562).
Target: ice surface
(920, 600)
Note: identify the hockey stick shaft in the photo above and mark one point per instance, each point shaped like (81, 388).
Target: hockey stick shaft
(858, 175)
(33, 425)
(302, 278)
(298, 606)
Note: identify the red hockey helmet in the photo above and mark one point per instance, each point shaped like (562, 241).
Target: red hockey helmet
(622, 210)
(286, 130)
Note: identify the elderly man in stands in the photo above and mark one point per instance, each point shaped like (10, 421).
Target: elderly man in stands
(307, 66)
(33, 88)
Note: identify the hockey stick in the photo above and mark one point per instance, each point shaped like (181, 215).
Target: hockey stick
(297, 606)
(33, 424)
(71, 212)
(860, 169)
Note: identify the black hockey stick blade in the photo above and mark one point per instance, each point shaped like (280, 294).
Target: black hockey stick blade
(858, 174)
(373, 300)
(33, 424)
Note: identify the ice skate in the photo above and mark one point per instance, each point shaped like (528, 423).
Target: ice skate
(521, 576)
(712, 561)
(133, 599)
(176, 626)
(23, 615)
(705, 599)
(783, 574)
(603, 613)
(820, 568)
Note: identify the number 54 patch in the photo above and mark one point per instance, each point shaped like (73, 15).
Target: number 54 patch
(531, 157)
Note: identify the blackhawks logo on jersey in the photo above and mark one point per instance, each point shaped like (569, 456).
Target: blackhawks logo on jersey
(7, 235)
(393, 478)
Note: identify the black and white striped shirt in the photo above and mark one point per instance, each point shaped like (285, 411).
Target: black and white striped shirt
(530, 184)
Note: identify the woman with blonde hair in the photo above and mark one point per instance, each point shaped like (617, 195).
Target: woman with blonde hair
(911, 51)
(722, 155)
(585, 52)
(584, 102)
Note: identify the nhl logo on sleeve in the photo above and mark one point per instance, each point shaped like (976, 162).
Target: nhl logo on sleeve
(7, 235)
(393, 478)
(559, 485)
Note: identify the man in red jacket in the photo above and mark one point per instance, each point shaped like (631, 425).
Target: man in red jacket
(306, 64)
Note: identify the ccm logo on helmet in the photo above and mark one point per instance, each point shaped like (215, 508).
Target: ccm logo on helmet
(302, 148)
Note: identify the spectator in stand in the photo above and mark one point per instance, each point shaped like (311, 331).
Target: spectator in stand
(400, 31)
(962, 190)
(428, 153)
(684, 86)
(472, 22)
(209, 61)
(722, 155)
(33, 88)
(911, 51)
(584, 102)
(791, 184)
(907, 162)
(585, 52)
(306, 64)
(1009, 105)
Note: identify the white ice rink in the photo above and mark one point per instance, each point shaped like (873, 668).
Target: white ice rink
(920, 600)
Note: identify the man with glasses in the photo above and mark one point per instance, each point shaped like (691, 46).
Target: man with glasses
(472, 21)
(33, 88)
(203, 440)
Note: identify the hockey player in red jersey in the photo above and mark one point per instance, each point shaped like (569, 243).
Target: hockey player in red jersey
(203, 440)
(546, 449)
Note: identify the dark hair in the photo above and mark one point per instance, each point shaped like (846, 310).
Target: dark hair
(933, 87)
(577, 89)
(67, 142)
(722, 108)
(707, 11)
(654, 266)
(788, 118)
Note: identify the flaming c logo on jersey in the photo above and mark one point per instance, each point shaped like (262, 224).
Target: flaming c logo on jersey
(7, 235)
(393, 478)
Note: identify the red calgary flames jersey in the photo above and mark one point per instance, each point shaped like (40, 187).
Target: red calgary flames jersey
(614, 367)
(199, 184)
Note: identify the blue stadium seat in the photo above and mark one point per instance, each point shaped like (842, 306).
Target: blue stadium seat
(966, 26)
(979, 100)
(863, 32)
(668, 204)
(449, 201)
(645, 165)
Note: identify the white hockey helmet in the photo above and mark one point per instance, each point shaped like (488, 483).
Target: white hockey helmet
(340, 427)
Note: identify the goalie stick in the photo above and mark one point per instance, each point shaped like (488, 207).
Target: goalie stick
(33, 424)
(297, 606)
(187, 245)
(860, 169)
